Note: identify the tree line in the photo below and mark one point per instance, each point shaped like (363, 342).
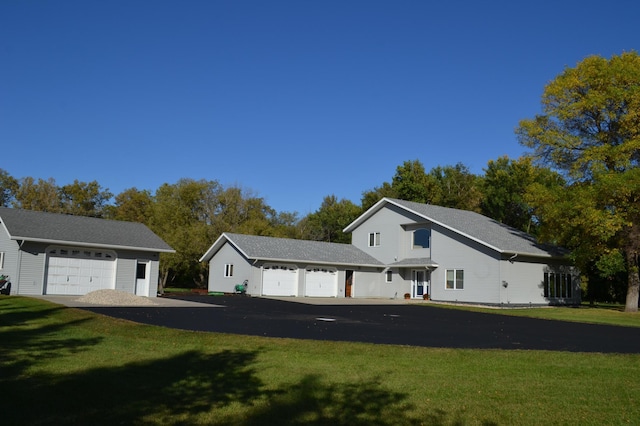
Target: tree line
(579, 188)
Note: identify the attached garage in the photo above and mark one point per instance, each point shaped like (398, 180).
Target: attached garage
(321, 282)
(279, 280)
(77, 271)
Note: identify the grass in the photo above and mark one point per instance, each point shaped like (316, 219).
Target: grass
(61, 365)
(592, 314)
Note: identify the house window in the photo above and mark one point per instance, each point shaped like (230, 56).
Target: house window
(455, 279)
(374, 239)
(228, 270)
(389, 276)
(1, 259)
(421, 238)
(557, 285)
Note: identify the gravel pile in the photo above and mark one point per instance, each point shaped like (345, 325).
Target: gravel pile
(115, 298)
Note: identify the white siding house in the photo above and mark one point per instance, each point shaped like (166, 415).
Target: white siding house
(400, 247)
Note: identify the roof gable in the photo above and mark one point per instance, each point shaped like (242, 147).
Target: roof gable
(88, 231)
(471, 225)
(291, 250)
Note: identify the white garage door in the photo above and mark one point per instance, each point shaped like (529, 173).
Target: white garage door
(321, 282)
(279, 280)
(79, 271)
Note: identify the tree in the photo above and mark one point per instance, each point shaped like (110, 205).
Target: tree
(327, 223)
(504, 189)
(590, 131)
(411, 183)
(41, 195)
(83, 198)
(455, 187)
(179, 216)
(8, 188)
(132, 205)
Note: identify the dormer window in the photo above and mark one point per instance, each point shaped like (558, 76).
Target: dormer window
(374, 239)
(421, 238)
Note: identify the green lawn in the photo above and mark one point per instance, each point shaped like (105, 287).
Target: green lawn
(61, 365)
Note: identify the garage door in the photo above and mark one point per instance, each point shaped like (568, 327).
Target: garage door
(79, 271)
(321, 282)
(280, 280)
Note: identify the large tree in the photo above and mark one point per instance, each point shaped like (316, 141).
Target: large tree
(589, 130)
(8, 188)
(505, 187)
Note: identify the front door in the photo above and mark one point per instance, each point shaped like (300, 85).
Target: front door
(419, 285)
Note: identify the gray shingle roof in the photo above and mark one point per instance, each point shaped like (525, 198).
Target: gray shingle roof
(481, 228)
(290, 250)
(68, 229)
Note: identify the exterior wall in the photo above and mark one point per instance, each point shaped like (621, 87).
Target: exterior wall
(242, 270)
(10, 264)
(480, 264)
(126, 266)
(367, 283)
(523, 281)
(388, 222)
(31, 273)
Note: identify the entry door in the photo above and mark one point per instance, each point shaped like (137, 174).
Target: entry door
(348, 283)
(419, 284)
(142, 279)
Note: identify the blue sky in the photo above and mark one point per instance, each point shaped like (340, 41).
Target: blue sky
(291, 100)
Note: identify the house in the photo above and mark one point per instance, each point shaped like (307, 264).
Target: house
(50, 253)
(400, 247)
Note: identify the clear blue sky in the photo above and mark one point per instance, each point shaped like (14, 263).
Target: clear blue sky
(293, 100)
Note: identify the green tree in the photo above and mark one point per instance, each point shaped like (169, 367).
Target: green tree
(178, 217)
(590, 131)
(504, 188)
(83, 198)
(8, 188)
(327, 223)
(132, 205)
(369, 198)
(411, 183)
(455, 187)
(41, 195)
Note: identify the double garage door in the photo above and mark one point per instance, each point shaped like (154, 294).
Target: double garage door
(79, 271)
(282, 280)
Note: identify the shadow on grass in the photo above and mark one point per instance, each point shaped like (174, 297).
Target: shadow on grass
(193, 387)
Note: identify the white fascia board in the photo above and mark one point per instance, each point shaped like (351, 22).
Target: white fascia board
(313, 262)
(217, 245)
(93, 245)
(364, 216)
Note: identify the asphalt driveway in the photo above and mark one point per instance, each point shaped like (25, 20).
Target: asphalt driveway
(395, 324)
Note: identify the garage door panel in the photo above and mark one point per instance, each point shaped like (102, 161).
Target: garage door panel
(279, 280)
(321, 282)
(78, 272)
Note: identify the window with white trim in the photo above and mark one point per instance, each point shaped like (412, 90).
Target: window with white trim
(455, 279)
(557, 285)
(228, 270)
(1, 259)
(389, 276)
(374, 239)
(421, 238)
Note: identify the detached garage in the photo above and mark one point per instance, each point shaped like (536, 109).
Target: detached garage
(57, 254)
